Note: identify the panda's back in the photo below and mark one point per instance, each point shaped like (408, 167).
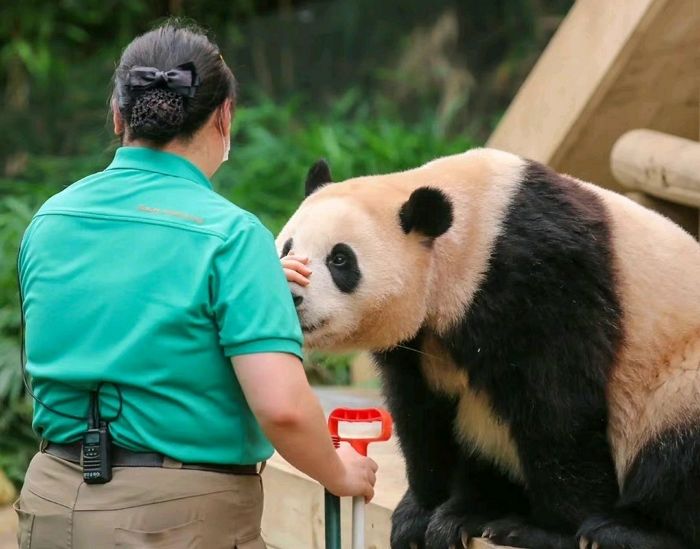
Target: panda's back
(655, 384)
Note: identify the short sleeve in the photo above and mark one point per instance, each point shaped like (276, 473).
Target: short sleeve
(251, 300)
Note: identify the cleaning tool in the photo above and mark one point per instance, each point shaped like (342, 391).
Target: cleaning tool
(358, 427)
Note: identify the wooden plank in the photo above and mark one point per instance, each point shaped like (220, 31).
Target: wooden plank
(611, 67)
(580, 56)
(659, 164)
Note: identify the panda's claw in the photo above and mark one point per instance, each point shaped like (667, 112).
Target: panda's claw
(464, 538)
(487, 533)
(583, 543)
(413, 545)
(595, 545)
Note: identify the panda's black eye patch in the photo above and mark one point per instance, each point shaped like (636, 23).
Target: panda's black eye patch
(287, 246)
(344, 269)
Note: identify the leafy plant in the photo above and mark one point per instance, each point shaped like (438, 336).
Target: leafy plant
(17, 440)
(275, 144)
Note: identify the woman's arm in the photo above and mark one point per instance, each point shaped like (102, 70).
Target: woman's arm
(289, 413)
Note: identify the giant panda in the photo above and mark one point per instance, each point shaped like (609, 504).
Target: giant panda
(538, 340)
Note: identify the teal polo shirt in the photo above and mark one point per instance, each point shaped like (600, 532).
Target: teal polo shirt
(142, 277)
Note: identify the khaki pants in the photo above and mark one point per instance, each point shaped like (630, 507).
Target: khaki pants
(144, 507)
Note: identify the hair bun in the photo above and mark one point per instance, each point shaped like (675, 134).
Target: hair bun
(157, 115)
(169, 82)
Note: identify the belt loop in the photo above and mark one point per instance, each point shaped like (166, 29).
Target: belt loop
(43, 443)
(169, 463)
(262, 467)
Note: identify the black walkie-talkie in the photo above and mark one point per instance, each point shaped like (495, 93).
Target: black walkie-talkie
(96, 455)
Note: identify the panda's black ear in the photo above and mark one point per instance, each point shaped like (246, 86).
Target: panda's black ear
(319, 174)
(427, 211)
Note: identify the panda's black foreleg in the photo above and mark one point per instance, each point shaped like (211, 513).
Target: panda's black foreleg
(423, 423)
(624, 528)
(569, 474)
(480, 494)
(659, 507)
(518, 532)
(409, 523)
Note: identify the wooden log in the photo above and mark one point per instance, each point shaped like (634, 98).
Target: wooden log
(662, 165)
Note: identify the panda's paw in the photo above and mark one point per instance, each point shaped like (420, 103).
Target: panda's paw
(515, 532)
(451, 528)
(409, 523)
(622, 531)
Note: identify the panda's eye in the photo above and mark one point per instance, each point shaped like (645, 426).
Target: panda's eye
(344, 268)
(339, 260)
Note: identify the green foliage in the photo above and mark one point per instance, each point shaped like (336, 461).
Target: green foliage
(17, 441)
(326, 369)
(275, 145)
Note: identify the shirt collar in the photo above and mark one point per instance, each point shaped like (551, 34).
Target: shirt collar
(152, 160)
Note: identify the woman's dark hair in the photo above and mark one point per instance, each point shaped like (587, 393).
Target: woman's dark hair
(157, 111)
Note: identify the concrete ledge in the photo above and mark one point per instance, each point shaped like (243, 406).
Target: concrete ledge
(293, 517)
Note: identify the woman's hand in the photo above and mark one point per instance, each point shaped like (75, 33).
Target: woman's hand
(295, 269)
(359, 474)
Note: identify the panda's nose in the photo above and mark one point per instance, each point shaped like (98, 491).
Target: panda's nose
(298, 299)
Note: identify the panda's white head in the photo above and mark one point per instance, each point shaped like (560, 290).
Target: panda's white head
(370, 250)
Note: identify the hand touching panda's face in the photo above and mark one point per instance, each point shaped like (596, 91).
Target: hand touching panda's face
(369, 252)
(350, 272)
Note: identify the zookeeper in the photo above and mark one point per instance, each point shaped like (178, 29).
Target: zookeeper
(157, 314)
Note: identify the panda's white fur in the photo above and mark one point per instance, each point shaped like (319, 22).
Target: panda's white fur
(409, 284)
(656, 382)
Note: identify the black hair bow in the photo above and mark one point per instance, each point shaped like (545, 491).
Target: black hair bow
(183, 79)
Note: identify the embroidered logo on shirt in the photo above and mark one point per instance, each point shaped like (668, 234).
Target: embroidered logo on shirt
(173, 213)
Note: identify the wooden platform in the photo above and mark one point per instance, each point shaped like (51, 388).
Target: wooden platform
(293, 517)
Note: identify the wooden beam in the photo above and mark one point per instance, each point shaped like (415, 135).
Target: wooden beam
(580, 57)
(662, 165)
(611, 67)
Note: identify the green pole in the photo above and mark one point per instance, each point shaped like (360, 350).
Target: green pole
(332, 512)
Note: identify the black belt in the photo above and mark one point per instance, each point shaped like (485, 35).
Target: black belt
(121, 457)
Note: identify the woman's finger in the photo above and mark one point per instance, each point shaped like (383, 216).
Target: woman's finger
(372, 478)
(296, 277)
(296, 266)
(373, 465)
(299, 258)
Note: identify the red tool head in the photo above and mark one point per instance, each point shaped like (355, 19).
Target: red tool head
(359, 427)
